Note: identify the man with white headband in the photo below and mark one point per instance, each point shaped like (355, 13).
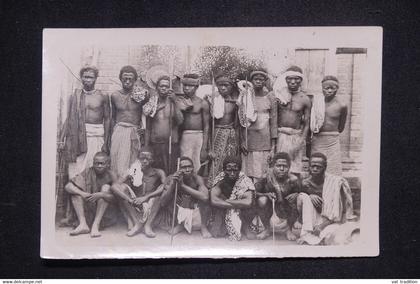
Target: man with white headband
(327, 139)
(293, 119)
(195, 128)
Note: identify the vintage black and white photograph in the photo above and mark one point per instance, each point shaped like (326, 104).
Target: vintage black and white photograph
(211, 142)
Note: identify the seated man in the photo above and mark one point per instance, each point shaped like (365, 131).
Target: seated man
(192, 194)
(90, 194)
(231, 196)
(139, 190)
(325, 205)
(281, 187)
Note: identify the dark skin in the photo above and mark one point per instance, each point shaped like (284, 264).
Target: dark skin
(218, 200)
(281, 169)
(295, 114)
(317, 167)
(230, 109)
(97, 109)
(258, 82)
(192, 184)
(150, 181)
(197, 118)
(335, 111)
(124, 108)
(161, 121)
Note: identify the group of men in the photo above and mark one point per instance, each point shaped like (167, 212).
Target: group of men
(252, 140)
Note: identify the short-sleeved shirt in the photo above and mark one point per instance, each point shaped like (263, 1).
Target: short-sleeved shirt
(89, 182)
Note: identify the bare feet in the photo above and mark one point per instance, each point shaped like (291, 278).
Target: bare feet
(178, 228)
(264, 234)
(290, 236)
(135, 230)
(149, 232)
(205, 233)
(250, 235)
(81, 229)
(94, 233)
(297, 225)
(130, 224)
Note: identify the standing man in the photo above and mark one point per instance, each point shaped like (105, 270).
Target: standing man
(262, 133)
(195, 128)
(159, 130)
(87, 126)
(232, 197)
(226, 126)
(126, 117)
(326, 139)
(294, 110)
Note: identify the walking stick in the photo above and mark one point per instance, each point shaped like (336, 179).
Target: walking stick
(274, 238)
(174, 210)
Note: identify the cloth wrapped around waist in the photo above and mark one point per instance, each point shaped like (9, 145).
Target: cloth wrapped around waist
(94, 130)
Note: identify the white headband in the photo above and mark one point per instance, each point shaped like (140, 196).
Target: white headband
(293, 74)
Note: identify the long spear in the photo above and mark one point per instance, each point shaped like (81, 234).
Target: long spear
(246, 121)
(174, 210)
(170, 117)
(212, 124)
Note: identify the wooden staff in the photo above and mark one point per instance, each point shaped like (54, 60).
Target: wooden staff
(246, 121)
(170, 117)
(174, 210)
(212, 124)
(274, 238)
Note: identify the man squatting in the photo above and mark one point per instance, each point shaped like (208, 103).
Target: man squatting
(137, 178)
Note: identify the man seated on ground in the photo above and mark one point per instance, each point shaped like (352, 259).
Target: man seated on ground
(281, 187)
(325, 205)
(139, 190)
(232, 196)
(91, 194)
(192, 195)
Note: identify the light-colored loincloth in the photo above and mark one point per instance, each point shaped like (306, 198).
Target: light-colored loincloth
(95, 141)
(290, 141)
(190, 218)
(255, 164)
(125, 146)
(328, 143)
(191, 143)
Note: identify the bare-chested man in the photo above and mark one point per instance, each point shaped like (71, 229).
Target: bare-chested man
(126, 117)
(192, 195)
(195, 129)
(87, 126)
(281, 187)
(294, 110)
(262, 133)
(167, 115)
(325, 207)
(232, 198)
(327, 139)
(91, 194)
(139, 190)
(226, 127)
